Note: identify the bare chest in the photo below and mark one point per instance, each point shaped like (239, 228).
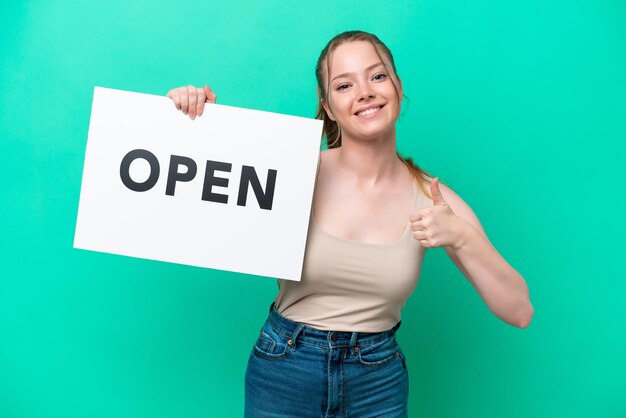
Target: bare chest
(377, 215)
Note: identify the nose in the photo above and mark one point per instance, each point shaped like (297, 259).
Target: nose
(365, 93)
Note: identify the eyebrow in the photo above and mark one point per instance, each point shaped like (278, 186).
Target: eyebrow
(367, 69)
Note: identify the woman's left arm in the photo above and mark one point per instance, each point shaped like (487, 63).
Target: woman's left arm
(452, 224)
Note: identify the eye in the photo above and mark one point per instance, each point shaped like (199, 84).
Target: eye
(380, 76)
(342, 86)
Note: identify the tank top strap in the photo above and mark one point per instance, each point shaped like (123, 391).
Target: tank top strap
(416, 191)
(420, 200)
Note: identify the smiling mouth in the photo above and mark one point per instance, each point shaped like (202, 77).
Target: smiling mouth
(369, 112)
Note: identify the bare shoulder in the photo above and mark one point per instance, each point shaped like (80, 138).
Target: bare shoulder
(460, 207)
(452, 198)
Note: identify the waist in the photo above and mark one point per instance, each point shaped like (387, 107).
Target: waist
(296, 330)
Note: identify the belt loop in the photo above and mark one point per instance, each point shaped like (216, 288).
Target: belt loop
(353, 342)
(395, 328)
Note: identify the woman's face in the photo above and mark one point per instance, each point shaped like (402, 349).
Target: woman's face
(362, 98)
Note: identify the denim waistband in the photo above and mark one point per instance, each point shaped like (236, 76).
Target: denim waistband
(295, 330)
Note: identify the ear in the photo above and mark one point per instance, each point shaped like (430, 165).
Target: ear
(327, 109)
(400, 88)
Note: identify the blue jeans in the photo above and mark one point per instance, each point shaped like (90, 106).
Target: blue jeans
(298, 371)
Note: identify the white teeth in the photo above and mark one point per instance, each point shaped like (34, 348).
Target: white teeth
(369, 111)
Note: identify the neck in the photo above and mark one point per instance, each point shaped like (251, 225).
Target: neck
(370, 160)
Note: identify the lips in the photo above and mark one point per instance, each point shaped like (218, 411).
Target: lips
(369, 111)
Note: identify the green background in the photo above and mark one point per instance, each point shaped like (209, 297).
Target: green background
(520, 106)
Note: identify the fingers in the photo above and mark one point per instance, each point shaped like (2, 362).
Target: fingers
(423, 239)
(436, 193)
(205, 95)
(175, 96)
(201, 100)
(210, 96)
(419, 235)
(191, 100)
(415, 217)
(184, 99)
(418, 226)
(420, 214)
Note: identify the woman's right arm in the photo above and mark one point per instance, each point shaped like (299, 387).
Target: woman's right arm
(191, 99)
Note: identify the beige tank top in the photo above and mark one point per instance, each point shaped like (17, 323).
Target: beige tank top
(350, 285)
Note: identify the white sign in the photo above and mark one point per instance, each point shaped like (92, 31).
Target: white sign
(230, 190)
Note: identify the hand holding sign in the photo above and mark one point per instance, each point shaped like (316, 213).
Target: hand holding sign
(191, 99)
(436, 226)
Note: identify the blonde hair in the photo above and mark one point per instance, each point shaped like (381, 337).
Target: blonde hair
(332, 131)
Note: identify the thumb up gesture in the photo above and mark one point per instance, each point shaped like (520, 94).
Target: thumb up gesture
(436, 226)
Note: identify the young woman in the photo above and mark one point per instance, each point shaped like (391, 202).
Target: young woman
(328, 347)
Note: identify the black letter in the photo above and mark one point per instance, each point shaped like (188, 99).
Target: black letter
(265, 199)
(125, 167)
(210, 180)
(173, 175)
